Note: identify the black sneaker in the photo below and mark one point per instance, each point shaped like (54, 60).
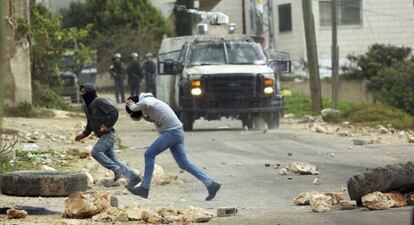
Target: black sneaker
(134, 181)
(117, 174)
(212, 190)
(140, 191)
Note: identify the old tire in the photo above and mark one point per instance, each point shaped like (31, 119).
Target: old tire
(41, 183)
(397, 177)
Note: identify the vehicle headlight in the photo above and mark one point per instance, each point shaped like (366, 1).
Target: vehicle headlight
(269, 90)
(196, 91)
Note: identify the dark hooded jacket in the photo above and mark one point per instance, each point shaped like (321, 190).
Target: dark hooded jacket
(98, 111)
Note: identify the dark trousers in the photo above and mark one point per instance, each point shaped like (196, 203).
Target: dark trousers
(150, 86)
(134, 88)
(119, 91)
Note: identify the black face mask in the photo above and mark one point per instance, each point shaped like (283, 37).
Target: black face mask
(89, 96)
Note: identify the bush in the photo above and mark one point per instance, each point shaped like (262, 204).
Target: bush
(378, 58)
(44, 96)
(376, 114)
(22, 110)
(394, 86)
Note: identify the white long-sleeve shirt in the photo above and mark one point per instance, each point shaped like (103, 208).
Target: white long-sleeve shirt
(162, 114)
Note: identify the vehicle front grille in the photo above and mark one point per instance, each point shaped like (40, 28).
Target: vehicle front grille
(230, 84)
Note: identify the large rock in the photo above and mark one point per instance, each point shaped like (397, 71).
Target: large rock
(320, 203)
(171, 215)
(16, 213)
(303, 168)
(304, 198)
(328, 113)
(398, 199)
(135, 213)
(85, 205)
(337, 197)
(377, 201)
(392, 178)
(150, 216)
(197, 215)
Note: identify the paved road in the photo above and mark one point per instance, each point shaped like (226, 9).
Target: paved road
(236, 158)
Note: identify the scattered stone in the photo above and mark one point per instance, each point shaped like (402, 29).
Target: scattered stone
(337, 197)
(84, 155)
(359, 142)
(316, 181)
(303, 168)
(90, 178)
(134, 213)
(410, 138)
(376, 201)
(197, 215)
(149, 216)
(16, 213)
(398, 199)
(383, 130)
(290, 154)
(346, 123)
(226, 211)
(304, 198)
(283, 171)
(82, 205)
(277, 166)
(347, 205)
(171, 215)
(239, 164)
(48, 168)
(68, 222)
(375, 141)
(267, 164)
(320, 203)
(320, 129)
(332, 154)
(307, 119)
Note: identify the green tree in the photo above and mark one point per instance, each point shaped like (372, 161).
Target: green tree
(49, 43)
(118, 26)
(378, 58)
(183, 19)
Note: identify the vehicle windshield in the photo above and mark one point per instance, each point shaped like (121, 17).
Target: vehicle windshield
(215, 53)
(244, 53)
(207, 54)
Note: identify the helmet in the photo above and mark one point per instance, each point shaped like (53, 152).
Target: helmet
(134, 54)
(117, 55)
(149, 54)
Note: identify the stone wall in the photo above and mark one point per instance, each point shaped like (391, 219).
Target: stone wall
(350, 90)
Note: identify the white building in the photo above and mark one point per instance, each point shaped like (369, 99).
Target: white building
(361, 23)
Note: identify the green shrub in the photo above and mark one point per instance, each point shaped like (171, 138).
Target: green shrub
(378, 114)
(378, 58)
(43, 96)
(22, 110)
(395, 86)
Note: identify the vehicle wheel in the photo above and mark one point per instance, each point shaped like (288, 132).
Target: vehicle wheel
(248, 123)
(273, 121)
(187, 119)
(41, 183)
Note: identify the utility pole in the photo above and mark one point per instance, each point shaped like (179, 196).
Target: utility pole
(257, 17)
(271, 22)
(312, 55)
(334, 58)
(244, 16)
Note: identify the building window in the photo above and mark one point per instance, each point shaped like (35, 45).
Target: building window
(349, 12)
(285, 17)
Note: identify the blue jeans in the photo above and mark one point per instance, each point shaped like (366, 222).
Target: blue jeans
(173, 139)
(104, 153)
